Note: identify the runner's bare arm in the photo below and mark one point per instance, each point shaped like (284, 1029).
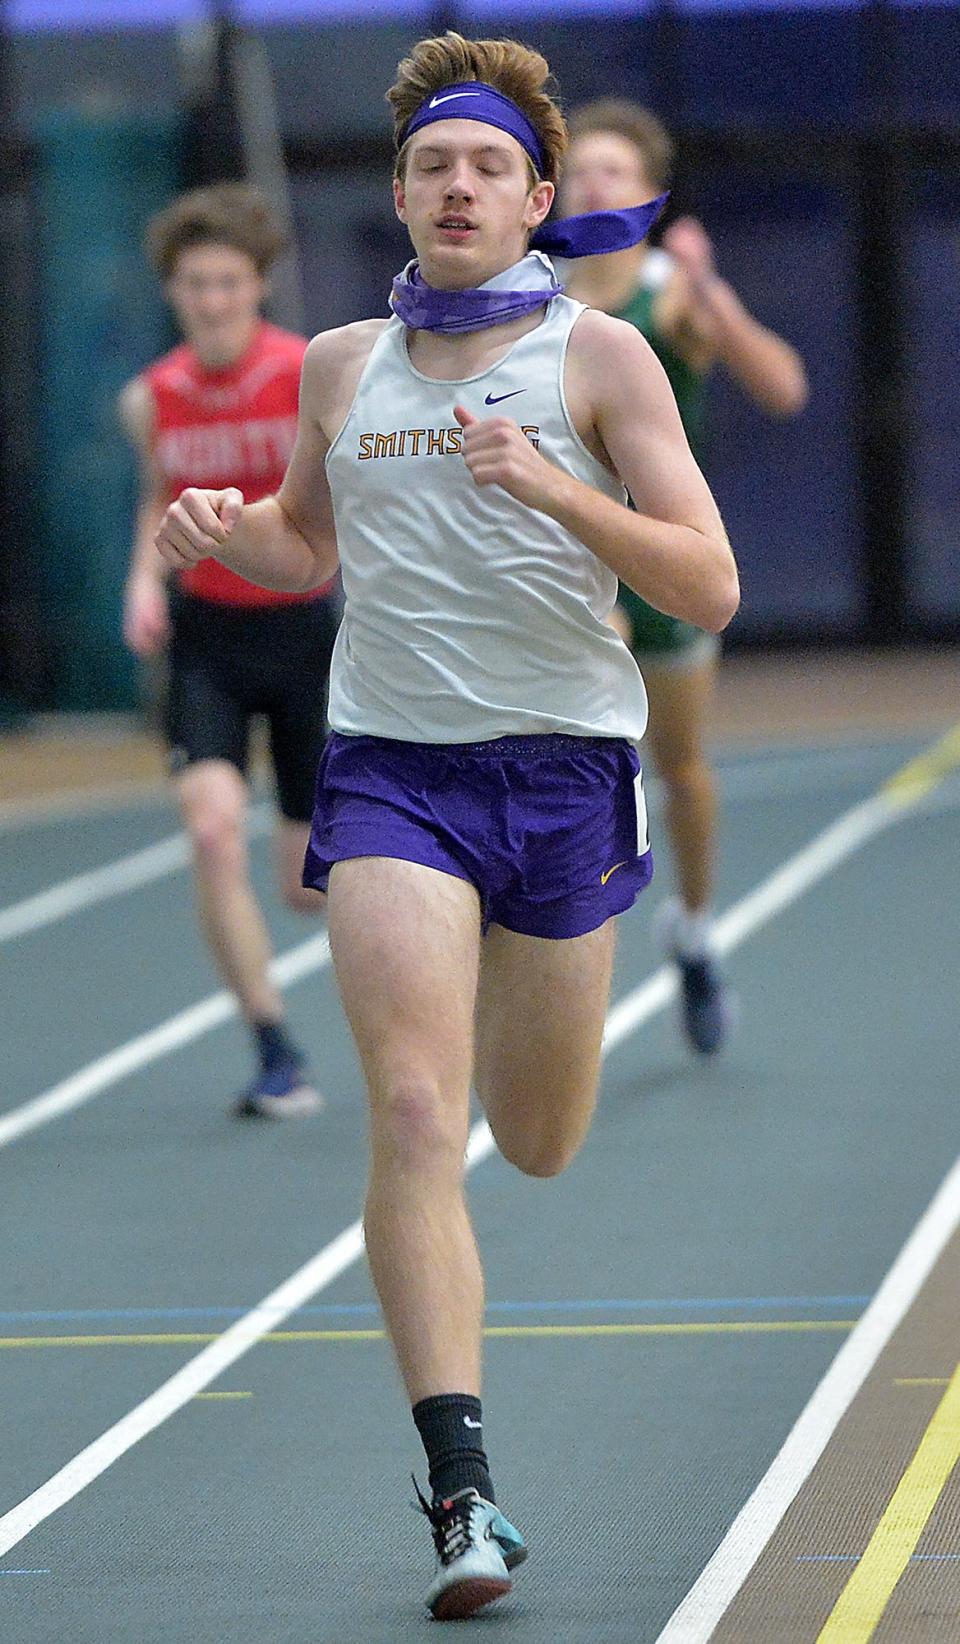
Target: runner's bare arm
(285, 542)
(765, 364)
(145, 612)
(674, 551)
(707, 322)
(136, 411)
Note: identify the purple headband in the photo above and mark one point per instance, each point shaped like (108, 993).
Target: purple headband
(476, 101)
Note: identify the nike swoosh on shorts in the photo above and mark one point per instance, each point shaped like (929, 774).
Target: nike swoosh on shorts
(605, 876)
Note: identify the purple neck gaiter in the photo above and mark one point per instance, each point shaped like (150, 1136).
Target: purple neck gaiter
(528, 285)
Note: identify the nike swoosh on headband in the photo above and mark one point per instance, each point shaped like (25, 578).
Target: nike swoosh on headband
(436, 101)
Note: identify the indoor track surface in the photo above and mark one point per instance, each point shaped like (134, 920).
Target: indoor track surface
(722, 1395)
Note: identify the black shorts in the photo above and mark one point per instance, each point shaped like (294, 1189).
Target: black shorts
(227, 664)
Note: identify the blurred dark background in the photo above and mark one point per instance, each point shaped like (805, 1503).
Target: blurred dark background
(819, 145)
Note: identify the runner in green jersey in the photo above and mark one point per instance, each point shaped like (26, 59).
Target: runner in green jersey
(620, 155)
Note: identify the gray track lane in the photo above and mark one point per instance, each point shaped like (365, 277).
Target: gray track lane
(656, 1442)
(285, 1516)
(40, 854)
(76, 989)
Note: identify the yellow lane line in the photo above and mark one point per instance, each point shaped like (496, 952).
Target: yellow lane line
(223, 1395)
(924, 773)
(856, 1613)
(921, 1381)
(748, 1327)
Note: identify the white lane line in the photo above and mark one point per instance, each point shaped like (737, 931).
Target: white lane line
(700, 1612)
(784, 885)
(127, 873)
(97, 885)
(197, 1374)
(826, 851)
(171, 1035)
(840, 840)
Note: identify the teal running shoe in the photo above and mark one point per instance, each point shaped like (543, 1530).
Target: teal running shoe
(476, 1550)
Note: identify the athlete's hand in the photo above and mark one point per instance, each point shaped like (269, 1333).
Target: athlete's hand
(706, 305)
(146, 615)
(498, 452)
(197, 525)
(688, 242)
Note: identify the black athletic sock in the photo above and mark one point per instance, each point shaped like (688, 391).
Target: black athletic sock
(274, 1044)
(451, 1427)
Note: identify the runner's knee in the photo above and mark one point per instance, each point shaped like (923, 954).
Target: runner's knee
(298, 896)
(291, 846)
(541, 1156)
(415, 1127)
(215, 824)
(302, 898)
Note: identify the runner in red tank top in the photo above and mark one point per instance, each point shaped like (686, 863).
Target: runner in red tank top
(221, 409)
(235, 422)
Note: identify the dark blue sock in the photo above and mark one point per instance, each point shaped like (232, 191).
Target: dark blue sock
(274, 1045)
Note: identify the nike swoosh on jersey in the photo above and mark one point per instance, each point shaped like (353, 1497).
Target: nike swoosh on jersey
(494, 399)
(605, 876)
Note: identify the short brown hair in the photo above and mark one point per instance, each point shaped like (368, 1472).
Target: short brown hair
(641, 128)
(233, 214)
(517, 71)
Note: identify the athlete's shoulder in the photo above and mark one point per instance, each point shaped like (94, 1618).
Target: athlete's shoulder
(332, 368)
(612, 370)
(281, 344)
(178, 363)
(345, 343)
(598, 340)
(340, 352)
(137, 410)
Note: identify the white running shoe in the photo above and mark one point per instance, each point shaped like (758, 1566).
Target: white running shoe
(476, 1550)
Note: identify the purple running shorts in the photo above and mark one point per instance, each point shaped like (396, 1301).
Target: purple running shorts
(551, 830)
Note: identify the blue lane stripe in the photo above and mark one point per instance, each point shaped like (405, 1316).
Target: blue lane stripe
(854, 1558)
(687, 1303)
(26, 1572)
(679, 1304)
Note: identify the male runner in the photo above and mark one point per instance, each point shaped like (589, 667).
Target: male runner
(621, 154)
(479, 815)
(221, 409)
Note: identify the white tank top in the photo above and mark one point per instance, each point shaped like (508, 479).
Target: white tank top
(468, 615)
